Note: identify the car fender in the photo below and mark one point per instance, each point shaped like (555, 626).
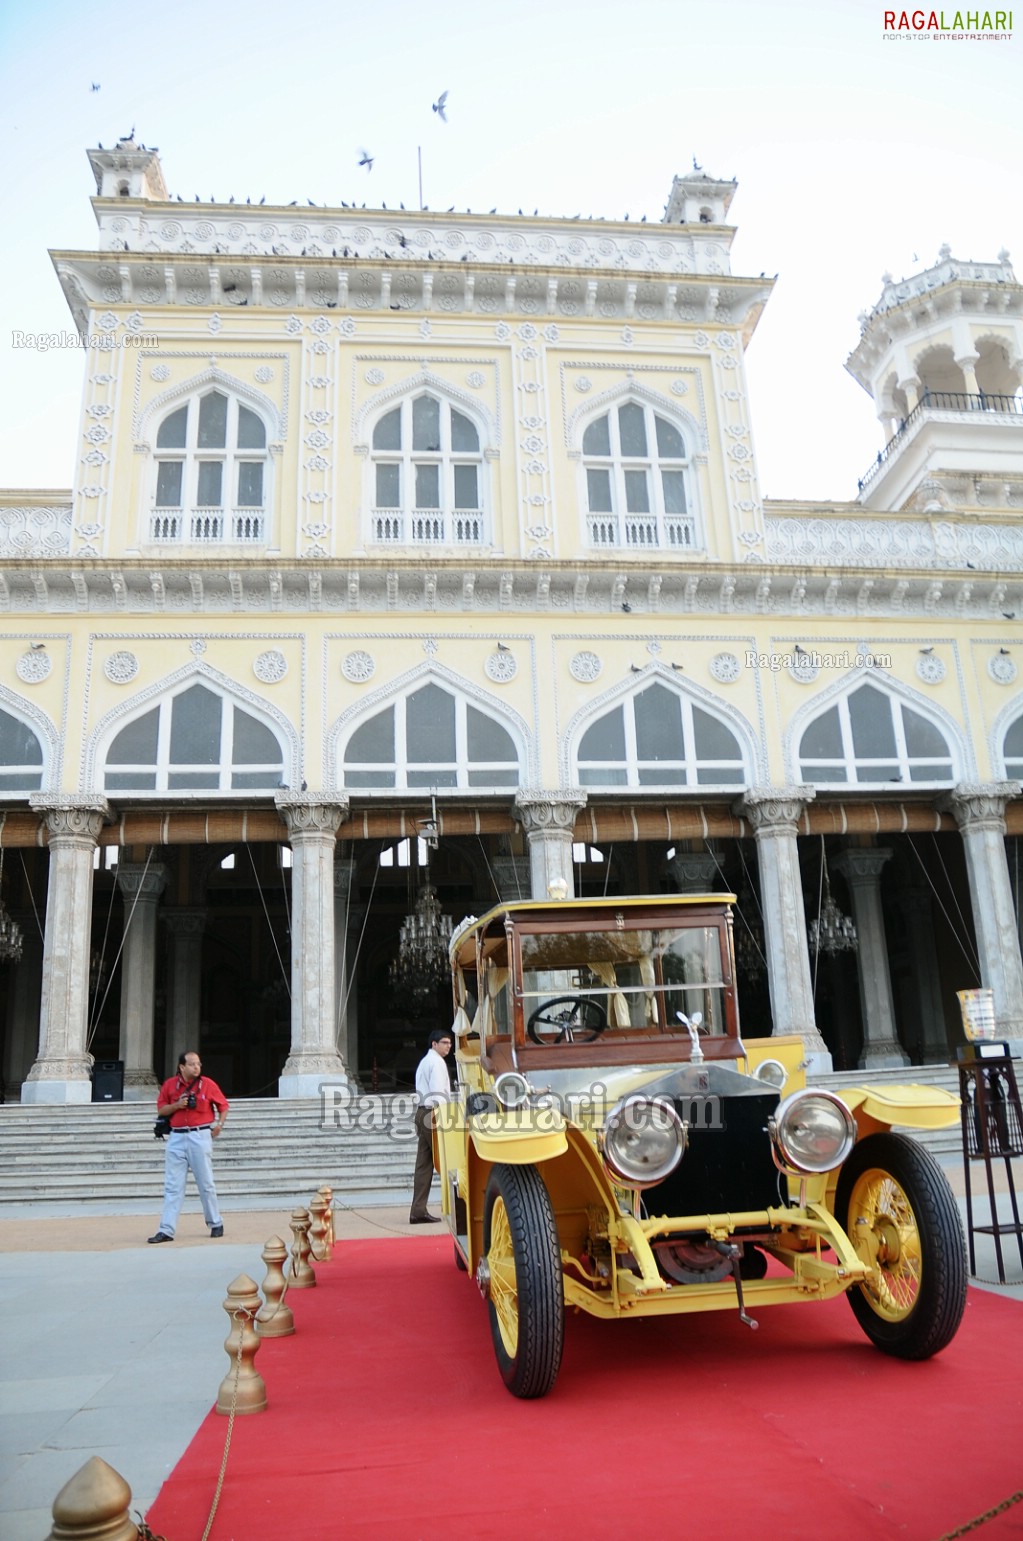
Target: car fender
(519, 1136)
(905, 1107)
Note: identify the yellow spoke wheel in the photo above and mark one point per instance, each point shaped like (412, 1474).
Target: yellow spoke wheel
(896, 1206)
(525, 1289)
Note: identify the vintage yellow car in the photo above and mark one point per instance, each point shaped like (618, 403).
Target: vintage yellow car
(616, 1146)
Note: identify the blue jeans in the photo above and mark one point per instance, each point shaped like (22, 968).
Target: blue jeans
(188, 1148)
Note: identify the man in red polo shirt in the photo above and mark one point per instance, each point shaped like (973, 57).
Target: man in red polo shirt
(197, 1109)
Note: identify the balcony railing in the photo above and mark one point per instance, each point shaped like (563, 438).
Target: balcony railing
(676, 532)
(942, 401)
(428, 527)
(207, 526)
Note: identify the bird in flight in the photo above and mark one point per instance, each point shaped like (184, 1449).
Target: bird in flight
(438, 106)
(95, 85)
(365, 159)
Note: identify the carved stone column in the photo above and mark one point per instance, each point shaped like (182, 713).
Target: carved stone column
(141, 887)
(548, 819)
(511, 874)
(348, 918)
(61, 1070)
(861, 868)
(312, 828)
(979, 810)
(774, 813)
(693, 872)
(915, 904)
(184, 982)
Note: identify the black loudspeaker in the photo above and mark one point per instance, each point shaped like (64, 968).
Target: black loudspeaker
(108, 1080)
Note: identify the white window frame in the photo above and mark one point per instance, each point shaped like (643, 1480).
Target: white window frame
(162, 767)
(225, 523)
(401, 766)
(405, 524)
(852, 765)
(632, 764)
(619, 529)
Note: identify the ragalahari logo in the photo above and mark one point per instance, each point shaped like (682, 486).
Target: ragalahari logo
(948, 26)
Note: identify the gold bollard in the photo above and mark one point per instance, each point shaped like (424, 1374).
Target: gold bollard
(241, 1305)
(318, 1229)
(93, 1506)
(328, 1194)
(302, 1276)
(275, 1319)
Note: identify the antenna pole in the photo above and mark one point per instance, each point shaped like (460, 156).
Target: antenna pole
(419, 153)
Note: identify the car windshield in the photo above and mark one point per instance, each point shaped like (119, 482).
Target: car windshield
(624, 981)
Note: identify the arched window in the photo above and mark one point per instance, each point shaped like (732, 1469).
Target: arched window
(194, 741)
(658, 738)
(637, 489)
(1012, 750)
(869, 736)
(211, 472)
(21, 756)
(427, 475)
(431, 738)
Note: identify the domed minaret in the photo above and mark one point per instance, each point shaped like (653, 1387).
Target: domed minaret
(942, 355)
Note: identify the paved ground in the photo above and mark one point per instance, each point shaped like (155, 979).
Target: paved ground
(115, 1348)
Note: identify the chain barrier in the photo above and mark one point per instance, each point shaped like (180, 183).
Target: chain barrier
(982, 1519)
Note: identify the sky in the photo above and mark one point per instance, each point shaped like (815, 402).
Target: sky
(855, 155)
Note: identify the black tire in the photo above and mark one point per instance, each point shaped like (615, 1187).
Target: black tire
(897, 1208)
(526, 1299)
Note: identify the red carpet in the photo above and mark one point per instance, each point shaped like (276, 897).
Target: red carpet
(387, 1417)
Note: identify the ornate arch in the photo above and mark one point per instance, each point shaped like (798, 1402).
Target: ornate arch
(119, 716)
(214, 377)
(45, 731)
(634, 390)
(434, 673)
(750, 743)
(1011, 712)
(961, 753)
(425, 380)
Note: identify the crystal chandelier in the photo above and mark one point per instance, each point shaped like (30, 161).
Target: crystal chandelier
(422, 960)
(11, 939)
(832, 931)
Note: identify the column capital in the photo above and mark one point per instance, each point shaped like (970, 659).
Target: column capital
(182, 921)
(862, 864)
(71, 818)
(311, 813)
(548, 812)
(774, 808)
(980, 804)
(142, 880)
(693, 872)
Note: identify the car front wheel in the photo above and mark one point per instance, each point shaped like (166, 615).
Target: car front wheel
(525, 1292)
(898, 1211)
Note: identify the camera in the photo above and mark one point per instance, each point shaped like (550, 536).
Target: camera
(190, 1100)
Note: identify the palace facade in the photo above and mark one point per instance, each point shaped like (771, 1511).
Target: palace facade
(424, 552)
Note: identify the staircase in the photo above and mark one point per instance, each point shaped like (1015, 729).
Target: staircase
(272, 1154)
(96, 1156)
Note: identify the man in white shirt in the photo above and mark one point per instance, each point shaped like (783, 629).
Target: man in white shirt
(433, 1086)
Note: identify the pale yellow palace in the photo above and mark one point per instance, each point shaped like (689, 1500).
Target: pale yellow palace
(424, 553)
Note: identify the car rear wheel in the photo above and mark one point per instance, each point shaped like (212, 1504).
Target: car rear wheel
(525, 1292)
(897, 1208)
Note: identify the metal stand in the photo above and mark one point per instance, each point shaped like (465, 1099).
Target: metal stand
(992, 1123)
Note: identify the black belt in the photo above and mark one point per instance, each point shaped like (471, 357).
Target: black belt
(189, 1128)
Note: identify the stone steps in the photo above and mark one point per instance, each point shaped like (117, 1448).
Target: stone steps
(273, 1152)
